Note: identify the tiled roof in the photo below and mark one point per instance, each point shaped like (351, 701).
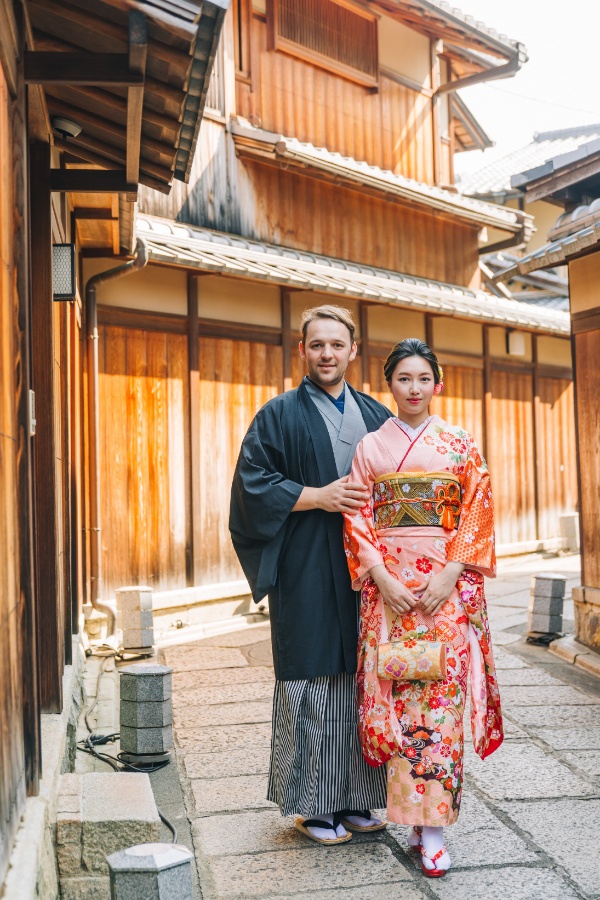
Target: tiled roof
(574, 232)
(548, 289)
(495, 177)
(463, 22)
(257, 142)
(211, 251)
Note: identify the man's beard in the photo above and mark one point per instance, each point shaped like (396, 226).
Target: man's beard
(334, 376)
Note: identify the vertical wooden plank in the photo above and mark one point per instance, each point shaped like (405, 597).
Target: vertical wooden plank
(15, 161)
(286, 339)
(487, 389)
(65, 390)
(194, 550)
(537, 473)
(364, 347)
(50, 598)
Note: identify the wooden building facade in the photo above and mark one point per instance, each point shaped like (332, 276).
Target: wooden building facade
(319, 181)
(118, 75)
(572, 183)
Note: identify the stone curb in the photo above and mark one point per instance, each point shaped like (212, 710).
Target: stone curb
(571, 651)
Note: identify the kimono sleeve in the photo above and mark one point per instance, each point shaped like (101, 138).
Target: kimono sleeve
(262, 497)
(360, 539)
(473, 543)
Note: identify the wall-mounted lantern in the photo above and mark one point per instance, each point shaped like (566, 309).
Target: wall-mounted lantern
(63, 272)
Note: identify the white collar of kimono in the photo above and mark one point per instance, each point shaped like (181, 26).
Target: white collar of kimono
(409, 431)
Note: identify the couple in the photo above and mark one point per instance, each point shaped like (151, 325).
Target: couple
(327, 500)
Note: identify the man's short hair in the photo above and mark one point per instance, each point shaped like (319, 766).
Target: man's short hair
(329, 311)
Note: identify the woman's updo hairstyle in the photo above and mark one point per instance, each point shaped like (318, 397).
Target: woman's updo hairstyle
(412, 347)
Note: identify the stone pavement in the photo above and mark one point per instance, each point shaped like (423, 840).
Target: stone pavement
(530, 819)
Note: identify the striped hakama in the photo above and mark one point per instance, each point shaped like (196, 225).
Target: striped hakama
(317, 766)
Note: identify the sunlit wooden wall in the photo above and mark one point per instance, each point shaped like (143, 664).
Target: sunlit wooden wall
(390, 128)
(521, 416)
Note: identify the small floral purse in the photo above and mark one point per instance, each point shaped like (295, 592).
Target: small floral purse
(413, 660)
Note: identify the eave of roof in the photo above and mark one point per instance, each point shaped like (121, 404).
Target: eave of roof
(172, 243)
(440, 14)
(556, 253)
(276, 148)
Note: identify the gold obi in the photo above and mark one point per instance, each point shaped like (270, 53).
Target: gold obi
(426, 499)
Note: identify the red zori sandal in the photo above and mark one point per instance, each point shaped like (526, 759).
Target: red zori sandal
(435, 872)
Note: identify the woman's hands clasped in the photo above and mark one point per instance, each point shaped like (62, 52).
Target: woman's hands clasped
(401, 600)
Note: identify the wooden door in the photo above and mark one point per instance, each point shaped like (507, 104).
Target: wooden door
(511, 456)
(144, 460)
(236, 379)
(556, 456)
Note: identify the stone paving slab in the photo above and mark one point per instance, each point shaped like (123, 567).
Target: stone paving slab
(586, 760)
(249, 832)
(246, 875)
(534, 717)
(584, 738)
(568, 831)
(214, 795)
(227, 678)
(522, 771)
(545, 695)
(506, 883)
(526, 676)
(506, 660)
(223, 714)
(241, 638)
(239, 762)
(219, 694)
(388, 891)
(223, 739)
(464, 839)
(190, 658)
(504, 638)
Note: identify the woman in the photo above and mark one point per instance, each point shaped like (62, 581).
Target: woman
(419, 551)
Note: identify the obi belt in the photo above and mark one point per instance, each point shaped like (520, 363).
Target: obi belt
(425, 500)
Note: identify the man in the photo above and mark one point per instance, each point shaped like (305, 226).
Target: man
(289, 491)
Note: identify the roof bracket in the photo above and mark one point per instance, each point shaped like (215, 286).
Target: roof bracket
(138, 51)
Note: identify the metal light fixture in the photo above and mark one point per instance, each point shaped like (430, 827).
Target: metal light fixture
(63, 272)
(67, 128)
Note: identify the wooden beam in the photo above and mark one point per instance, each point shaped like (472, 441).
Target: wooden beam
(90, 214)
(25, 453)
(99, 154)
(91, 181)
(47, 67)
(194, 545)
(50, 618)
(138, 51)
(364, 347)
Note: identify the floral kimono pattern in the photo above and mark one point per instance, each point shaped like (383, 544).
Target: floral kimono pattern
(417, 726)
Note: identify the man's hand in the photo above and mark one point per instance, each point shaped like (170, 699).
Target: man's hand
(341, 496)
(395, 595)
(439, 587)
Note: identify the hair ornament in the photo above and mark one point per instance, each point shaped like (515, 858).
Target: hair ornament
(440, 385)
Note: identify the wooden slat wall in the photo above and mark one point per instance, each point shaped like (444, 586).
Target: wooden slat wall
(587, 354)
(12, 774)
(391, 128)
(143, 458)
(236, 379)
(557, 475)
(511, 457)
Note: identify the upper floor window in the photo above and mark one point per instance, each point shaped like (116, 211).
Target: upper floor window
(334, 34)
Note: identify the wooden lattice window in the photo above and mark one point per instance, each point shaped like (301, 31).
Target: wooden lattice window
(334, 34)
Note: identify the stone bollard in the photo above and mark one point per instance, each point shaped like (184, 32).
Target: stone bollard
(134, 617)
(545, 607)
(151, 872)
(146, 712)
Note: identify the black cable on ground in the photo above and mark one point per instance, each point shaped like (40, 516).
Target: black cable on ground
(117, 763)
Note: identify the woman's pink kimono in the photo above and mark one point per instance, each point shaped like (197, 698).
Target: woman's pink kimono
(420, 722)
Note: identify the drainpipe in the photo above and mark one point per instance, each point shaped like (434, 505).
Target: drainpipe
(91, 316)
(504, 71)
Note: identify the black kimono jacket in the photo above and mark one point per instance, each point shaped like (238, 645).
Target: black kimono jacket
(298, 559)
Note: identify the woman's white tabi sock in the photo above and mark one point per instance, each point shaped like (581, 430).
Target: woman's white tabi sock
(414, 836)
(325, 833)
(432, 841)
